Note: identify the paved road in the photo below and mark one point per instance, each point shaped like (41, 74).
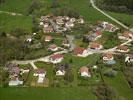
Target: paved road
(115, 20)
(44, 59)
(55, 26)
(71, 39)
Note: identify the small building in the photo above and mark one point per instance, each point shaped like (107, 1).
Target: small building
(122, 48)
(95, 46)
(126, 35)
(81, 21)
(53, 47)
(84, 71)
(59, 20)
(108, 56)
(72, 20)
(129, 58)
(56, 58)
(40, 73)
(48, 29)
(97, 34)
(48, 38)
(15, 82)
(69, 25)
(81, 52)
(60, 70)
(26, 69)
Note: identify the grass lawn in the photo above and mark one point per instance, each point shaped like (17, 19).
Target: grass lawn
(46, 94)
(8, 22)
(83, 7)
(19, 6)
(127, 19)
(109, 40)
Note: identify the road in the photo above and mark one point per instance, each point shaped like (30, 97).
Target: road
(110, 17)
(71, 39)
(43, 59)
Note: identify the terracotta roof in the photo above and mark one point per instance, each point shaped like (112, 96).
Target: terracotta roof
(108, 55)
(122, 47)
(56, 56)
(109, 26)
(94, 45)
(84, 69)
(53, 46)
(39, 71)
(48, 37)
(78, 50)
(97, 33)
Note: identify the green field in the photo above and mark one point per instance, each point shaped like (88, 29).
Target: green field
(19, 6)
(127, 19)
(45, 94)
(9, 22)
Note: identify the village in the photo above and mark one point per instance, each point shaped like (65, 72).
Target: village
(38, 72)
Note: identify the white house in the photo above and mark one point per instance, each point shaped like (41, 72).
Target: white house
(15, 82)
(84, 71)
(56, 58)
(69, 25)
(80, 21)
(81, 52)
(129, 58)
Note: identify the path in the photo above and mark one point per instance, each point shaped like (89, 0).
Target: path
(11, 13)
(110, 17)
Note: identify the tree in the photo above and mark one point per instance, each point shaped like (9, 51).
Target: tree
(69, 75)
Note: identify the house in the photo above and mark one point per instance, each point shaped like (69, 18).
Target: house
(53, 47)
(48, 38)
(48, 29)
(59, 20)
(84, 71)
(81, 52)
(122, 48)
(80, 21)
(69, 25)
(95, 46)
(72, 20)
(14, 71)
(40, 73)
(66, 18)
(60, 70)
(26, 69)
(129, 58)
(56, 58)
(97, 34)
(126, 35)
(108, 56)
(15, 81)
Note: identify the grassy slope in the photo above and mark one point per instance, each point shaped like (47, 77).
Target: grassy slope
(124, 18)
(84, 8)
(18, 6)
(45, 94)
(8, 22)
